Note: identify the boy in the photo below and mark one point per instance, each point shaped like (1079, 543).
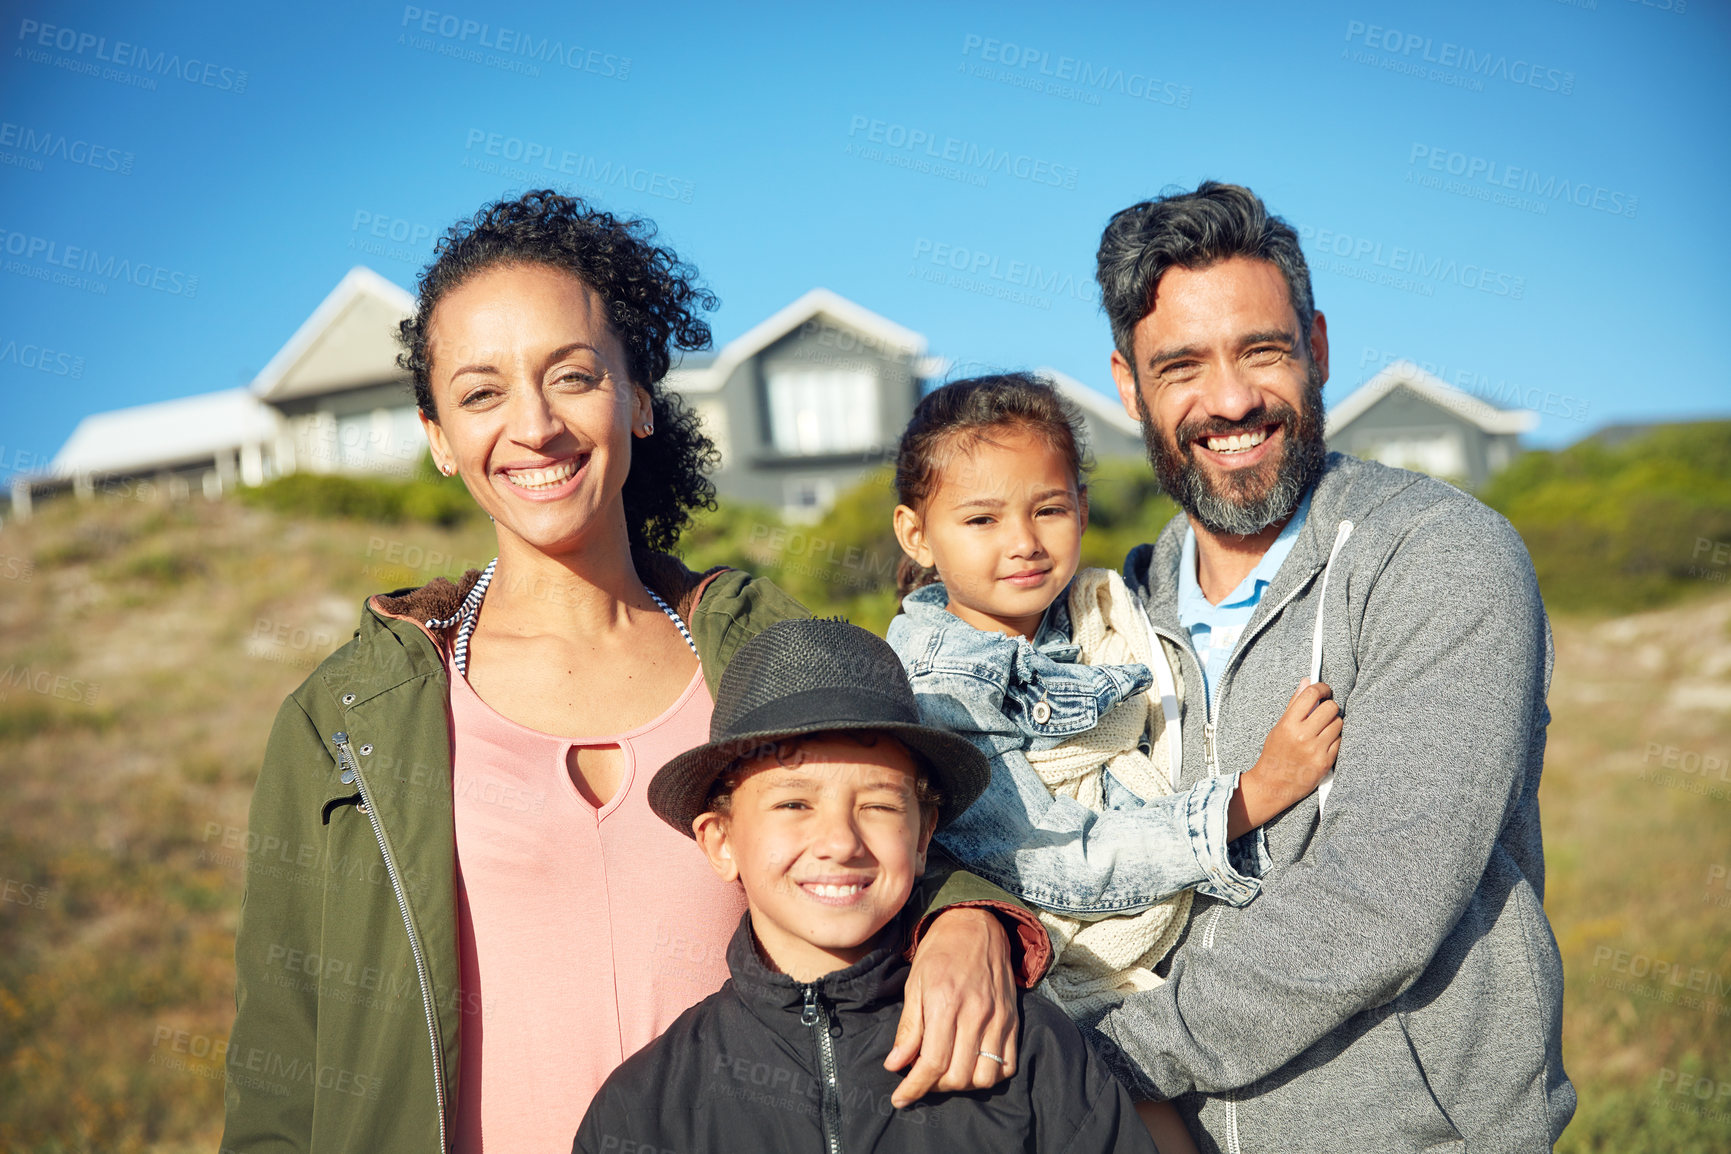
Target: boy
(819, 791)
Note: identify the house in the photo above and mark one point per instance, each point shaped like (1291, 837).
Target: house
(1406, 417)
(806, 403)
(1111, 432)
(801, 406)
(331, 400)
(345, 405)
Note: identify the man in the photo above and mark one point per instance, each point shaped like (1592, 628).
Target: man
(1395, 986)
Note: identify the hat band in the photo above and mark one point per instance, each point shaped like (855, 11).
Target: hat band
(814, 710)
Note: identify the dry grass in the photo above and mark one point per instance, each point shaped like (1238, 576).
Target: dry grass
(1638, 856)
(169, 636)
(163, 641)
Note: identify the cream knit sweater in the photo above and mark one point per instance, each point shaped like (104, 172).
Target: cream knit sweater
(1096, 962)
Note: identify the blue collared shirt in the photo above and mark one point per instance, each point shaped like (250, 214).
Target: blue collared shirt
(1215, 629)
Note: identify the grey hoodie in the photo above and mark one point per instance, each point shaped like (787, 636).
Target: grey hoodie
(1395, 986)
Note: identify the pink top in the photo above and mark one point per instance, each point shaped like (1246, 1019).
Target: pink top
(583, 932)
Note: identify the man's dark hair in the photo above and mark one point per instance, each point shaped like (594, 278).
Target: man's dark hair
(1192, 230)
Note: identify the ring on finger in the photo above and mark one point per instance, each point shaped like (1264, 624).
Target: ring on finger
(992, 1056)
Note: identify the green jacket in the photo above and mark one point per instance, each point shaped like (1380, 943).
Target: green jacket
(346, 965)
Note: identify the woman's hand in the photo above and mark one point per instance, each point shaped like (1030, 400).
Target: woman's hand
(960, 999)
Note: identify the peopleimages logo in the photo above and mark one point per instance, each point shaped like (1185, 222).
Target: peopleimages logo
(93, 263)
(977, 270)
(516, 46)
(1455, 58)
(1499, 391)
(970, 157)
(41, 358)
(1407, 264)
(1476, 170)
(529, 158)
(1069, 76)
(38, 144)
(123, 54)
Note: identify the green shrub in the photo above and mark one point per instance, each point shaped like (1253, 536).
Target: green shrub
(427, 497)
(845, 562)
(1614, 530)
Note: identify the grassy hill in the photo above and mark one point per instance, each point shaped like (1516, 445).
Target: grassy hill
(1611, 530)
(146, 648)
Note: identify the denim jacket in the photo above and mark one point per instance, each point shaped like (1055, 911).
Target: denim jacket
(1007, 695)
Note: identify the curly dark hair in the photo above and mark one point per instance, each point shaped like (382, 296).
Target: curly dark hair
(653, 304)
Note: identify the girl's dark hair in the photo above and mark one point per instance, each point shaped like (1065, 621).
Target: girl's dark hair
(955, 417)
(653, 304)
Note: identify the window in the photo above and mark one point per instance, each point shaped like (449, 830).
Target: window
(817, 411)
(806, 499)
(1442, 455)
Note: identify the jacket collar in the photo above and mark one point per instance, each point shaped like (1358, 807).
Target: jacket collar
(439, 598)
(926, 610)
(870, 984)
(397, 644)
(1348, 488)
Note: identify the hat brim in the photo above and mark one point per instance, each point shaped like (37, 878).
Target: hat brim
(679, 792)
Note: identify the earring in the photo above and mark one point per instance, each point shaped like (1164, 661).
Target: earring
(648, 428)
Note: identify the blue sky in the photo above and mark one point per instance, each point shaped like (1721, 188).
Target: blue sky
(1524, 195)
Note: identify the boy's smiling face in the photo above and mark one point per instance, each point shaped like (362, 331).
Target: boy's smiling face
(827, 837)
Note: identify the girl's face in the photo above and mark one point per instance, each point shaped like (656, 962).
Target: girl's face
(1003, 528)
(536, 407)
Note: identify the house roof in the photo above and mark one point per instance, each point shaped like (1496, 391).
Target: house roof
(349, 340)
(164, 434)
(694, 376)
(1408, 376)
(1096, 404)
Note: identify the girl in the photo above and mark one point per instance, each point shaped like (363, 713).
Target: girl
(1046, 670)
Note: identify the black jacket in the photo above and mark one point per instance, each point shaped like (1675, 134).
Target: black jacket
(745, 1070)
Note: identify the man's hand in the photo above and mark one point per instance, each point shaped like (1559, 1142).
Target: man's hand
(960, 999)
(1298, 754)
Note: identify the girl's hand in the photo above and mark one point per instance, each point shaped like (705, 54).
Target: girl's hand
(1298, 754)
(960, 999)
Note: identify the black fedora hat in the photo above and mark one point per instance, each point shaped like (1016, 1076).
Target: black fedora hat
(814, 676)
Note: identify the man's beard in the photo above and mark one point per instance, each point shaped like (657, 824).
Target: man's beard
(1243, 501)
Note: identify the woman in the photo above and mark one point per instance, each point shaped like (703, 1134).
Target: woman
(480, 917)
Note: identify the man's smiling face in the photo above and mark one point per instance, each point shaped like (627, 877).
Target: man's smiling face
(1229, 393)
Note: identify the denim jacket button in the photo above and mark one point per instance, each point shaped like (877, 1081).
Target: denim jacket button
(1042, 713)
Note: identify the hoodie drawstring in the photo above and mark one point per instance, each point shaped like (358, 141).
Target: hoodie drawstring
(1340, 537)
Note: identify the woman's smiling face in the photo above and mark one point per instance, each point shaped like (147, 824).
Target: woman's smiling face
(536, 407)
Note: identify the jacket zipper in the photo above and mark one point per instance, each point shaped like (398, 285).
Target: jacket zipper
(1208, 750)
(347, 761)
(816, 1017)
